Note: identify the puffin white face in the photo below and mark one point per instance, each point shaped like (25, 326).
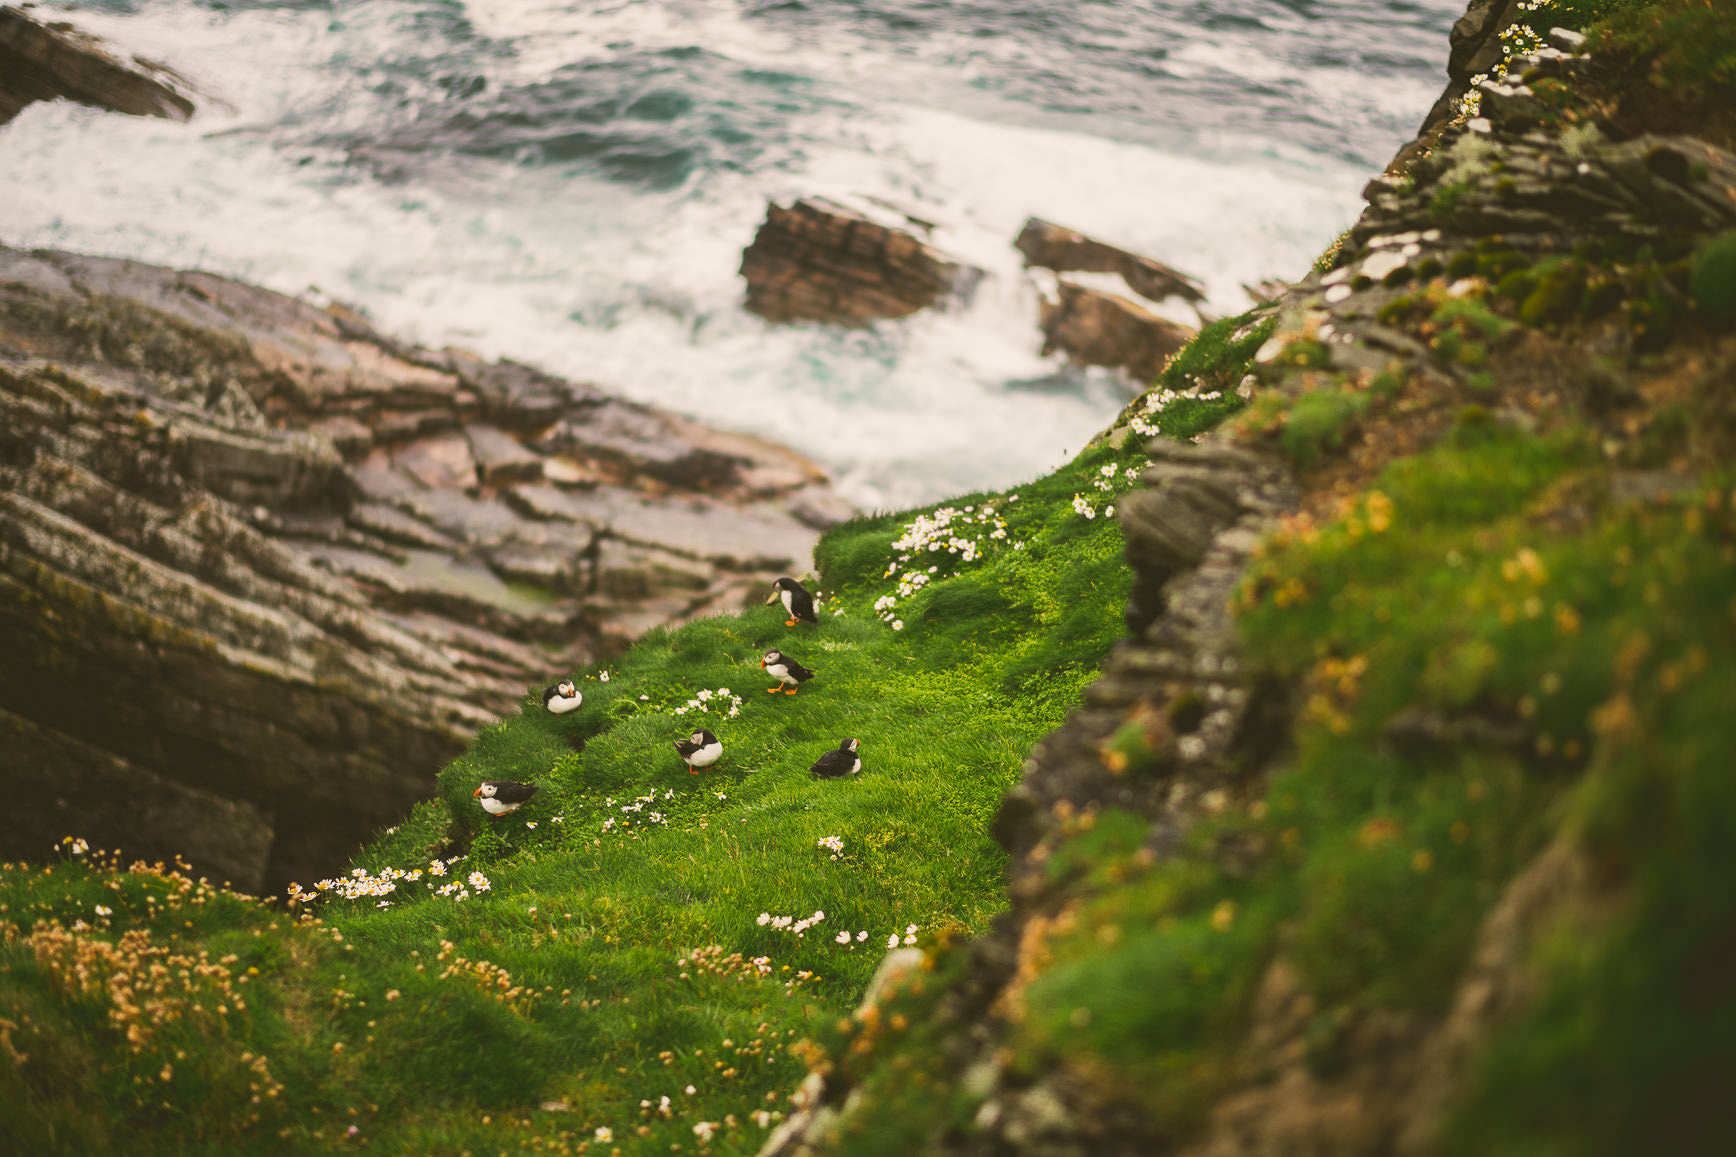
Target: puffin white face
(851, 745)
(568, 690)
(486, 791)
(697, 737)
(772, 657)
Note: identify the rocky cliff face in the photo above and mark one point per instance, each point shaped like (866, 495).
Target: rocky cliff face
(262, 569)
(1518, 266)
(41, 61)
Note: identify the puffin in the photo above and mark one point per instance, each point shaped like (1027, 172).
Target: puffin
(785, 670)
(839, 762)
(798, 603)
(500, 796)
(562, 697)
(701, 749)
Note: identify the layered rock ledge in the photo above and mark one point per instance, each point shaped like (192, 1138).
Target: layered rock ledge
(57, 61)
(268, 568)
(820, 260)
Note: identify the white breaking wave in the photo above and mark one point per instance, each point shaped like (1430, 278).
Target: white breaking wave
(637, 289)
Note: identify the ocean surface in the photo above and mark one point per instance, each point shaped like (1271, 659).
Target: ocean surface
(571, 184)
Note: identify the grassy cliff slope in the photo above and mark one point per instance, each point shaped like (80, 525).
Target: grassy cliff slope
(636, 932)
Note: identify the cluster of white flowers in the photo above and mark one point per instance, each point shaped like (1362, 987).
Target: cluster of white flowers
(762, 965)
(930, 534)
(721, 701)
(844, 938)
(789, 923)
(1082, 507)
(1144, 422)
(664, 1107)
(835, 844)
(359, 884)
(933, 533)
(634, 812)
(1516, 40)
(74, 845)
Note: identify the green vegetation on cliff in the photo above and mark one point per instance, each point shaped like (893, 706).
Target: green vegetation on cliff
(635, 932)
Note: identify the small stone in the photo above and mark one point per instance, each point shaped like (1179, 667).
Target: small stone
(1567, 39)
(1380, 264)
(1337, 294)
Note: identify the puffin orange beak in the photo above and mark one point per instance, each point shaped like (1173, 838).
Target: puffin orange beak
(762, 663)
(476, 793)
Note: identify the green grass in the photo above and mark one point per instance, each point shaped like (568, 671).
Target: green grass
(1682, 43)
(1584, 684)
(603, 953)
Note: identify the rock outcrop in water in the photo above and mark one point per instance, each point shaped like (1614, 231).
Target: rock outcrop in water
(54, 61)
(818, 260)
(263, 569)
(1096, 325)
(1051, 246)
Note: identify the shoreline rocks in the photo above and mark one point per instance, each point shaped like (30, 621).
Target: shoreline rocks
(820, 260)
(1051, 246)
(52, 61)
(1101, 312)
(252, 548)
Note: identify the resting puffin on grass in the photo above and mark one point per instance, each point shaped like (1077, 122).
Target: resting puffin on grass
(798, 603)
(500, 796)
(562, 697)
(701, 749)
(839, 762)
(786, 671)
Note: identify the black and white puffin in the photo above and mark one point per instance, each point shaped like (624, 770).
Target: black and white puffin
(786, 671)
(500, 796)
(562, 697)
(839, 762)
(701, 749)
(798, 603)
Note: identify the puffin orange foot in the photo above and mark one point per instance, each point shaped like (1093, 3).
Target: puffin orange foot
(789, 690)
(773, 690)
(789, 622)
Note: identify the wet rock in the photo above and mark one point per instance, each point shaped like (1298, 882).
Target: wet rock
(620, 441)
(500, 458)
(1061, 249)
(178, 517)
(394, 526)
(439, 463)
(1096, 328)
(57, 61)
(819, 260)
(628, 571)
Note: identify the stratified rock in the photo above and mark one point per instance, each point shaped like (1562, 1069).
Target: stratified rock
(821, 261)
(1097, 328)
(500, 458)
(312, 560)
(51, 61)
(443, 462)
(1056, 247)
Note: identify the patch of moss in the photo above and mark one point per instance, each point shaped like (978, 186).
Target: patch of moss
(1713, 281)
(1320, 421)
